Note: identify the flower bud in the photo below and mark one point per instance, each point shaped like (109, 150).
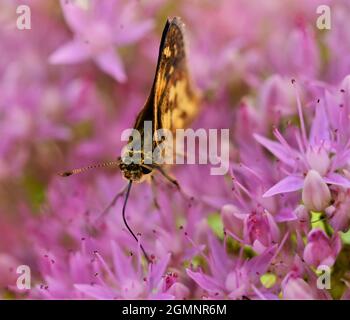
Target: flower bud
(316, 195)
(339, 213)
(321, 250)
(303, 218)
(232, 219)
(261, 230)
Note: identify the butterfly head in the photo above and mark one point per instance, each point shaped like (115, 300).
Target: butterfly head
(134, 171)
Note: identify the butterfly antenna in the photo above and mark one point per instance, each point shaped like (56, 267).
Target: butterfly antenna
(94, 166)
(126, 223)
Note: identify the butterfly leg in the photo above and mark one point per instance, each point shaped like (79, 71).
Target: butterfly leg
(113, 202)
(168, 177)
(172, 180)
(175, 183)
(154, 192)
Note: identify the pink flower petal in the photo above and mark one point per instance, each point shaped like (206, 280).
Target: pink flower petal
(336, 244)
(157, 270)
(135, 33)
(71, 52)
(219, 264)
(95, 291)
(122, 264)
(288, 184)
(179, 291)
(276, 149)
(297, 289)
(110, 63)
(258, 265)
(320, 126)
(205, 282)
(162, 296)
(76, 16)
(336, 179)
(285, 215)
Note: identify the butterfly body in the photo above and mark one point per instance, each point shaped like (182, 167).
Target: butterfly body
(172, 102)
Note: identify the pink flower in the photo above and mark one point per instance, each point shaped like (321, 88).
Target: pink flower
(305, 61)
(322, 153)
(99, 28)
(321, 250)
(130, 283)
(261, 230)
(275, 100)
(257, 228)
(303, 219)
(249, 221)
(233, 220)
(339, 212)
(89, 275)
(295, 287)
(233, 279)
(338, 42)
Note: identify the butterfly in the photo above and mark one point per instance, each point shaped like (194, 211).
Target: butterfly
(172, 104)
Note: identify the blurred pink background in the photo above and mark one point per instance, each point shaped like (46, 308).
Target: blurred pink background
(74, 81)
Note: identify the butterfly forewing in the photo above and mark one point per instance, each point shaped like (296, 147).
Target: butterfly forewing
(173, 102)
(175, 99)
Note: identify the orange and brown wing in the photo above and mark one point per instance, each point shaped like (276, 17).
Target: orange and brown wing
(173, 101)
